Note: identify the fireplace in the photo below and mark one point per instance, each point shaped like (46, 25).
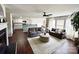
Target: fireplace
(3, 36)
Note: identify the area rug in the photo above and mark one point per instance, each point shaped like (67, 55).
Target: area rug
(49, 47)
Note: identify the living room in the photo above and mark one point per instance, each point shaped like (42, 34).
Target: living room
(40, 29)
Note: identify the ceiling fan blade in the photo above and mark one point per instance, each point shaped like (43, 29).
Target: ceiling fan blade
(49, 14)
(46, 14)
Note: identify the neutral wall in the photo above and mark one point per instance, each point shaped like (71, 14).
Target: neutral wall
(2, 11)
(38, 21)
(70, 32)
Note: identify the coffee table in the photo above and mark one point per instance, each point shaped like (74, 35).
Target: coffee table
(44, 38)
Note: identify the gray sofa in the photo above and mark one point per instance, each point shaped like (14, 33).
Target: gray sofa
(35, 31)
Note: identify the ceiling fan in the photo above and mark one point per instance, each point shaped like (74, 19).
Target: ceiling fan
(46, 14)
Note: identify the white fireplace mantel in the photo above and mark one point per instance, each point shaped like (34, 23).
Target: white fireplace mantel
(3, 26)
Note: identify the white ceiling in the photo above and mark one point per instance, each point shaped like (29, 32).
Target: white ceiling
(36, 10)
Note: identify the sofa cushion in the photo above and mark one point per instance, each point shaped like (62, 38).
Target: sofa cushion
(59, 31)
(53, 29)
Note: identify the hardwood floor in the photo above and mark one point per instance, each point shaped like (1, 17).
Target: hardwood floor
(67, 48)
(23, 46)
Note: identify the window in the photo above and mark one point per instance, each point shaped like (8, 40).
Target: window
(51, 23)
(57, 22)
(60, 24)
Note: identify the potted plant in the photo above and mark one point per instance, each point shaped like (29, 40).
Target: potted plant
(75, 23)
